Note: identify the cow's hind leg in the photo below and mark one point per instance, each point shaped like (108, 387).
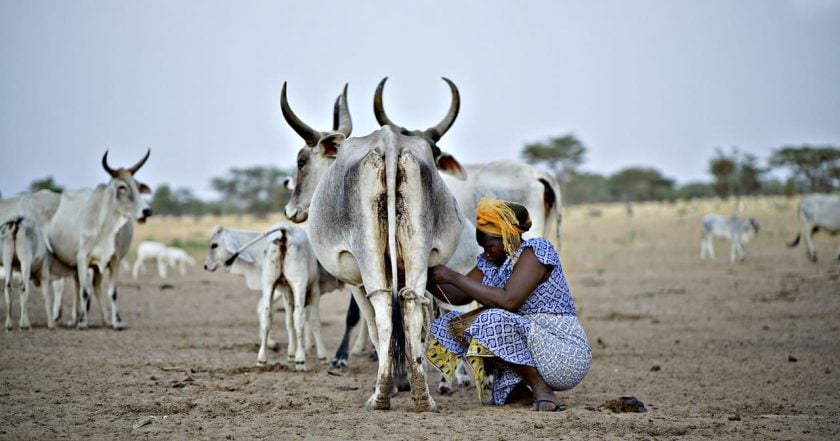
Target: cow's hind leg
(313, 321)
(265, 310)
(298, 299)
(7, 290)
(116, 319)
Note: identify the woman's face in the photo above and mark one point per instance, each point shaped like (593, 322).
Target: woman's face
(494, 247)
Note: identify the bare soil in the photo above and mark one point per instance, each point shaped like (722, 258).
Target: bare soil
(713, 350)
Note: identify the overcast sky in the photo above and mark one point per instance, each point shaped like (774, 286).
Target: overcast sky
(640, 83)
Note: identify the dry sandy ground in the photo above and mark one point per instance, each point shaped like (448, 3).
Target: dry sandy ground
(715, 351)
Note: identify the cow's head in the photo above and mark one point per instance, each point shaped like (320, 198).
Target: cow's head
(444, 161)
(317, 154)
(127, 190)
(222, 247)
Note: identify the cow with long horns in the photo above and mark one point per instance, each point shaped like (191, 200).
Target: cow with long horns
(84, 233)
(379, 216)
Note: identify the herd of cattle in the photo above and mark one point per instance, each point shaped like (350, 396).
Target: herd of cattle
(370, 212)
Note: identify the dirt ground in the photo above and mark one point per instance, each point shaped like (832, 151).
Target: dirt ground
(715, 351)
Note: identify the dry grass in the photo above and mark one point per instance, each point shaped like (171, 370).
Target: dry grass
(595, 237)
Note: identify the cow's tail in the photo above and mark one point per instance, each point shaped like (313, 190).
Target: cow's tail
(10, 228)
(551, 204)
(397, 325)
(802, 218)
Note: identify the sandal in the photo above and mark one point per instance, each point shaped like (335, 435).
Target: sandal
(557, 406)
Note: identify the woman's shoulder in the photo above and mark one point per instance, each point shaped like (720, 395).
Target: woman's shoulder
(543, 249)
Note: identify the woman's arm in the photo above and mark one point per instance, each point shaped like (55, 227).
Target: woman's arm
(527, 275)
(446, 292)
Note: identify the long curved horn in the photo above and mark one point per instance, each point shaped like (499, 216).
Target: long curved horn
(133, 169)
(105, 165)
(308, 134)
(437, 131)
(379, 110)
(341, 114)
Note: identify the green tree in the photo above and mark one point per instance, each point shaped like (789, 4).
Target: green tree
(45, 184)
(641, 184)
(694, 190)
(562, 155)
(735, 174)
(816, 166)
(586, 187)
(723, 168)
(256, 190)
(176, 203)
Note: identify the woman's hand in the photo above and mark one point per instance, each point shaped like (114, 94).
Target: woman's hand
(440, 274)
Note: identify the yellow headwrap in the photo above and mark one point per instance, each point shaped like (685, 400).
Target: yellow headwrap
(496, 218)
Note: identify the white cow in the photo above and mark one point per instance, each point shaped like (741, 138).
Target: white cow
(379, 216)
(25, 249)
(150, 250)
(39, 206)
(83, 233)
(736, 230)
(178, 258)
(526, 184)
(817, 212)
(282, 269)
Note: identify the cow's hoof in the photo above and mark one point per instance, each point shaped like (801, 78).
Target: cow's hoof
(82, 326)
(381, 404)
(300, 366)
(425, 405)
(338, 363)
(261, 363)
(323, 360)
(444, 389)
(119, 327)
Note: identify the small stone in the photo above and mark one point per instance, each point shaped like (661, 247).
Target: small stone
(735, 417)
(792, 359)
(655, 368)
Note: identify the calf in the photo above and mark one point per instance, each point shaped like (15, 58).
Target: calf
(25, 249)
(737, 231)
(272, 267)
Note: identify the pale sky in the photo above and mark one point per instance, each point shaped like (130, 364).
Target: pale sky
(640, 83)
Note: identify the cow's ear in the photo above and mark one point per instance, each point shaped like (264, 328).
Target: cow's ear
(246, 256)
(448, 164)
(329, 144)
(143, 188)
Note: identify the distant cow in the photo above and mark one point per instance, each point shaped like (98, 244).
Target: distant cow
(178, 258)
(280, 265)
(150, 250)
(738, 231)
(817, 212)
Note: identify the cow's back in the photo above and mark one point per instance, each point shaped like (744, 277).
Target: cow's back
(349, 214)
(822, 210)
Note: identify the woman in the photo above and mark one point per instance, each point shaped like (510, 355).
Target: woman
(527, 333)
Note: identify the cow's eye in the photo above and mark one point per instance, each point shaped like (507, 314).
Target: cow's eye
(213, 246)
(301, 163)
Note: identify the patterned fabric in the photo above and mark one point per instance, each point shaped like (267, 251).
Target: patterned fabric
(544, 333)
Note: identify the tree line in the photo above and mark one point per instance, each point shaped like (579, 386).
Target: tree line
(733, 173)
(259, 190)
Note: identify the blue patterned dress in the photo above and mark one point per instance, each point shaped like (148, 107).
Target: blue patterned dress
(543, 333)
